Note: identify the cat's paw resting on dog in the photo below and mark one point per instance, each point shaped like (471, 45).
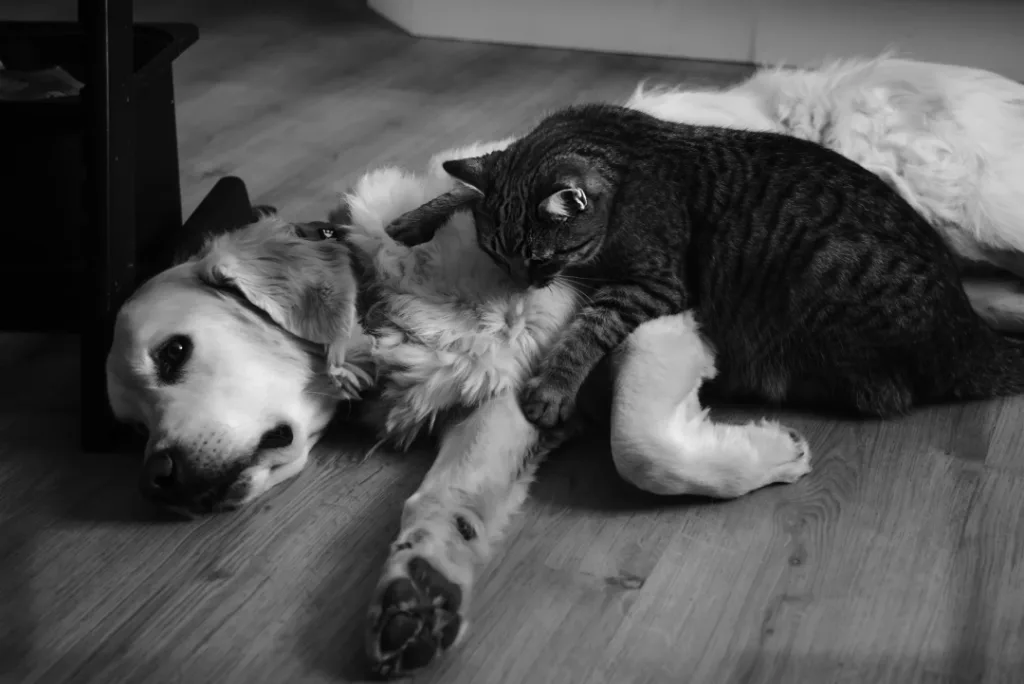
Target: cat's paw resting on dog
(547, 401)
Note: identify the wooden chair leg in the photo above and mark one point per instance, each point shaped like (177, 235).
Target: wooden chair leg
(109, 245)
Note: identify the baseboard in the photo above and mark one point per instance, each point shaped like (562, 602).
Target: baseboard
(720, 30)
(985, 34)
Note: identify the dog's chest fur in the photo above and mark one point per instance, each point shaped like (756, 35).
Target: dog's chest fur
(448, 329)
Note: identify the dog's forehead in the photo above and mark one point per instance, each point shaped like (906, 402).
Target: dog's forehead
(172, 302)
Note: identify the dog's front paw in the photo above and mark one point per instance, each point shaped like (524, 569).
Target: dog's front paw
(547, 402)
(350, 381)
(348, 378)
(417, 616)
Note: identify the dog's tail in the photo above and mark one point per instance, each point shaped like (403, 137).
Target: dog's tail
(995, 369)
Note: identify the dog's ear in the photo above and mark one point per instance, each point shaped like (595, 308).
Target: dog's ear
(307, 287)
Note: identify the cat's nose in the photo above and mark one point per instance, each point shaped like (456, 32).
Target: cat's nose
(519, 272)
(541, 274)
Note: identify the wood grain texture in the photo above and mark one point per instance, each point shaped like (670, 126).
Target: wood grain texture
(899, 559)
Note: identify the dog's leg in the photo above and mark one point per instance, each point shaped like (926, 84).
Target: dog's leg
(449, 529)
(664, 442)
(344, 375)
(347, 376)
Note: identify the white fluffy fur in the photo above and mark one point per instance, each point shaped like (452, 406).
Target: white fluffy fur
(661, 437)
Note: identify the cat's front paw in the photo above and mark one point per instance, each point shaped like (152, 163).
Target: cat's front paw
(547, 402)
(409, 230)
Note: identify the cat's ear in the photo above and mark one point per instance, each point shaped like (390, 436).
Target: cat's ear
(472, 171)
(565, 203)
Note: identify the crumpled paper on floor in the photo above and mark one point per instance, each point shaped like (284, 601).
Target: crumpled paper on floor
(42, 84)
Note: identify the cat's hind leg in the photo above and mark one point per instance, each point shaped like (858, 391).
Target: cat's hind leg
(663, 440)
(999, 301)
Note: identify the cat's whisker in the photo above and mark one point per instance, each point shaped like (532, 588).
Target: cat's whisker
(583, 278)
(576, 280)
(574, 288)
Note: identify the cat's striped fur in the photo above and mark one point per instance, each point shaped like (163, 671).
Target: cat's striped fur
(815, 282)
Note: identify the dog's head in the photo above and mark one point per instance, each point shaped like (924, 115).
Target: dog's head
(219, 360)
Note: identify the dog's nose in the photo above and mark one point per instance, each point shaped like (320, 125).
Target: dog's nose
(160, 473)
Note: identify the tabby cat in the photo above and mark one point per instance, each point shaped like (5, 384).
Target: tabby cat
(814, 281)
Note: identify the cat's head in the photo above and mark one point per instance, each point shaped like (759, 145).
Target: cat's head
(541, 210)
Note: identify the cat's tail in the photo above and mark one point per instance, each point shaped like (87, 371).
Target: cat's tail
(995, 370)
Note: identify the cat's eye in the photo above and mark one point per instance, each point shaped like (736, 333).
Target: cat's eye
(171, 356)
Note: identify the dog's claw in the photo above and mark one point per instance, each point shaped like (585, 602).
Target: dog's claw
(350, 380)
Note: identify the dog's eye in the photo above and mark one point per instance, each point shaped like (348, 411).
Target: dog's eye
(171, 356)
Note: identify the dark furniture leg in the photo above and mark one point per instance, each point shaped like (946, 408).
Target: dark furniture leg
(109, 244)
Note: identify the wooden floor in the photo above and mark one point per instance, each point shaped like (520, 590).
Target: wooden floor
(900, 559)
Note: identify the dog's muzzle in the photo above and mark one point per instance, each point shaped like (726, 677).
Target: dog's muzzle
(180, 480)
(170, 478)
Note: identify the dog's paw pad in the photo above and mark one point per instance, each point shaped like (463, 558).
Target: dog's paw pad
(417, 618)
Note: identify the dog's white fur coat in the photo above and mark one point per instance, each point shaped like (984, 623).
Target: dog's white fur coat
(457, 333)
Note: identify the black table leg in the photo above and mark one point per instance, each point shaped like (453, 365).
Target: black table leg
(109, 244)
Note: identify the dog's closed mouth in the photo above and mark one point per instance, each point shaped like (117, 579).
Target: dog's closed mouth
(226, 493)
(278, 437)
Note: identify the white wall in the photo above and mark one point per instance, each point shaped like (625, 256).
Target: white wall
(658, 27)
(988, 34)
(984, 33)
